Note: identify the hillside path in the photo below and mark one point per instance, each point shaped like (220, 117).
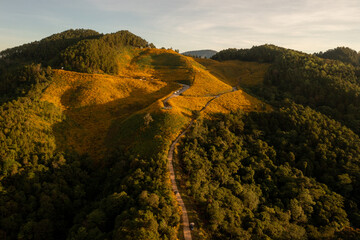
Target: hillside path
(175, 94)
(185, 218)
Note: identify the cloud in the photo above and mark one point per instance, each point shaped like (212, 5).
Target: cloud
(274, 21)
(189, 24)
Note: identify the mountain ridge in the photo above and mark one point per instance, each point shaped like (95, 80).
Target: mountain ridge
(206, 53)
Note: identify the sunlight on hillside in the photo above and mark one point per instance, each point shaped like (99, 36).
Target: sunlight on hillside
(165, 65)
(235, 72)
(238, 100)
(184, 105)
(92, 101)
(104, 111)
(205, 84)
(71, 89)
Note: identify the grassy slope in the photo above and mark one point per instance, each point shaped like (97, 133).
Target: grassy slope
(234, 101)
(92, 102)
(235, 73)
(104, 112)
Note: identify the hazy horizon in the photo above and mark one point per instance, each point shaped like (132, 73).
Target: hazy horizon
(308, 26)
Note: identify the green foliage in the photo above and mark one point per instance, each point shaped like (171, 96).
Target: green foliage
(264, 53)
(80, 50)
(331, 87)
(45, 51)
(146, 140)
(17, 82)
(100, 55)
(280, 175)
(344, 54)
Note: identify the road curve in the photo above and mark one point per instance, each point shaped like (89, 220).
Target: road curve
(175, 94)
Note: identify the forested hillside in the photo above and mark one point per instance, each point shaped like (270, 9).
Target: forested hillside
(289, 174)
(47, 50)
(344, 54)
(100, 55)
(87, 120)
(329, 86)
(79, 50)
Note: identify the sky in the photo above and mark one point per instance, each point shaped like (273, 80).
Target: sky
(305, 25)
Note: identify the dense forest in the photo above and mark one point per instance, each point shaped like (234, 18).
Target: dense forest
(344, 54)
(46, 51)
(329, 86)
(289, 174)
(78, 50)
(100, 55)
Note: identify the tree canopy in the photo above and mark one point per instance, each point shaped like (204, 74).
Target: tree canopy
(292, 173)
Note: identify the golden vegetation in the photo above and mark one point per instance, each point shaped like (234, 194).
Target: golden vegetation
(104, 111)
(71, 89)
(235, 72)
(205, 84)
(92, 101)
(185, 105)
(238, 100)
(165, 65)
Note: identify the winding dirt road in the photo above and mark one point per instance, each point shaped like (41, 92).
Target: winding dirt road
(185, 218)
(175, 94)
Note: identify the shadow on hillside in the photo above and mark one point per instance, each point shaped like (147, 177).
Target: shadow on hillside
(160, 59)
(88, 129)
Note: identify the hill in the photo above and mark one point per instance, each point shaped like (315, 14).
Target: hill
(329, 86)
(200, 53)
(271, 147)
(83, 148)
(46, 51)
(235, 72)
(343, 54)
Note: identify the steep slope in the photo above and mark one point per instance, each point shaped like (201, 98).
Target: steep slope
(235, 72)
(91, 102)
(344, 54)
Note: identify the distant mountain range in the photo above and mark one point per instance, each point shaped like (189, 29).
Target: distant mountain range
(200, 53)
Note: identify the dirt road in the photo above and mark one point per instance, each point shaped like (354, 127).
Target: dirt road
(175, 94)
(185, 218)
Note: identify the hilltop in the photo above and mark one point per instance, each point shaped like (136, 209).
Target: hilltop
(271, 146)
